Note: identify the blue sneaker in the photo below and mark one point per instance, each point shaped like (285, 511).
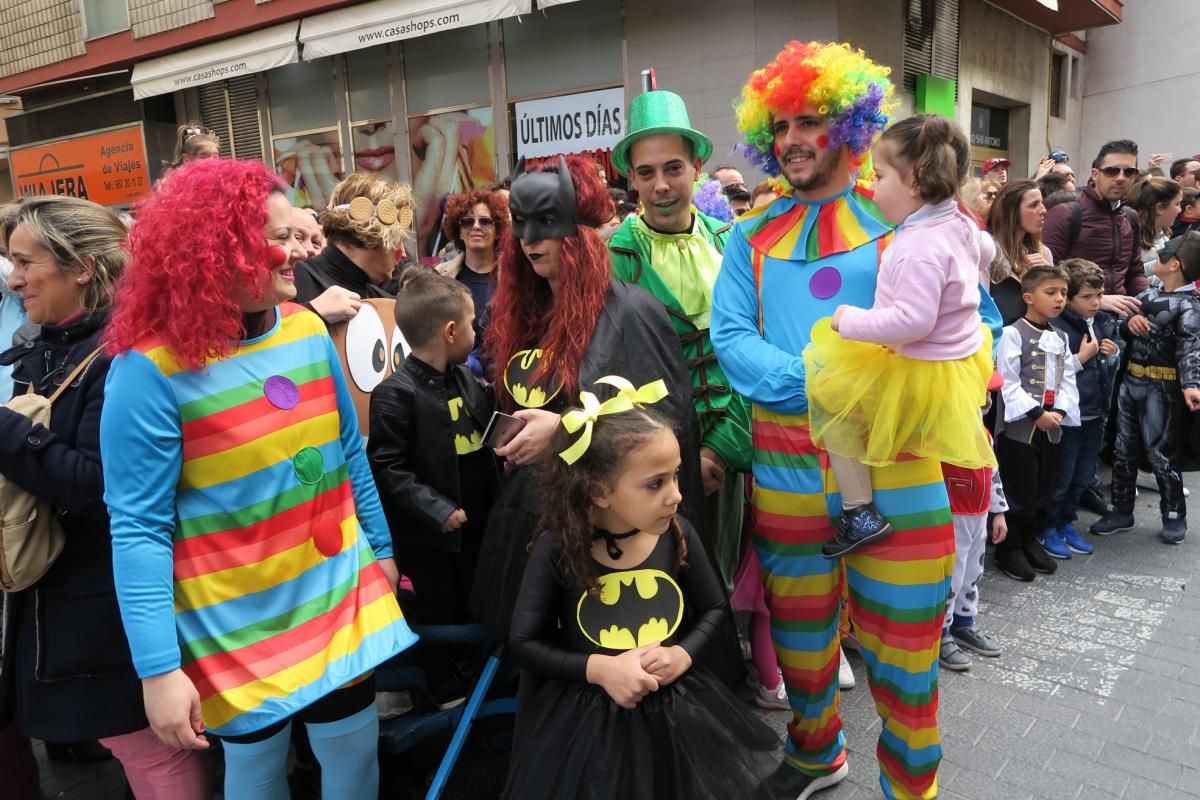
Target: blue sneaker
(1074, 541)
(1051, 541)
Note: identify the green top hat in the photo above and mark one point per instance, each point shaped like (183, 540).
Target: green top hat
(658, 112)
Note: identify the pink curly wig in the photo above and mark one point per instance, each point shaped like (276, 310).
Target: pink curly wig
(525, 312)
(198, 236)
(840, 82)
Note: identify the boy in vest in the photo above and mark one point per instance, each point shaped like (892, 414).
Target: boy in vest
(1161, 384)
(1038, 398)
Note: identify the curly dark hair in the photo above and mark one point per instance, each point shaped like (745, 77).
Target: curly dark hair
(567, 489)
(460, 205)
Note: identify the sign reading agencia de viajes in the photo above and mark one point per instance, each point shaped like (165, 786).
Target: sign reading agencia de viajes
(109, 168)
(570, 123)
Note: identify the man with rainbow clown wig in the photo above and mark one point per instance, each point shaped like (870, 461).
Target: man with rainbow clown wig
(809, 119)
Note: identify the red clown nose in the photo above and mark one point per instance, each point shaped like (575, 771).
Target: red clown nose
(276, 256)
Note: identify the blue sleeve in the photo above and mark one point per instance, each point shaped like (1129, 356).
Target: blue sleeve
(757, 369)
(366, 496)
(991, 316)
(140, 426)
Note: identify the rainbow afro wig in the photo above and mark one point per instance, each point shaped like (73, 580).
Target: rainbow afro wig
(835, 79)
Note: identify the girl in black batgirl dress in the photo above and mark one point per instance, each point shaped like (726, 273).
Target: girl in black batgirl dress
(615, 611)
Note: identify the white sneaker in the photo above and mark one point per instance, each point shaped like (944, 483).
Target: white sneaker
(845, 673)
(774, 699)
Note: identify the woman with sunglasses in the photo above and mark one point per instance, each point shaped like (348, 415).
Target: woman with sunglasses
(1015, 222)
(476, 222)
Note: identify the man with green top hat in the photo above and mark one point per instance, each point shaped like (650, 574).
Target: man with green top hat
(673, 251)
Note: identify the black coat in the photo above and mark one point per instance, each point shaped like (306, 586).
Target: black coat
(634, 339)
(411, 450)
(1095, 381)
(330, 268)
(66, 672)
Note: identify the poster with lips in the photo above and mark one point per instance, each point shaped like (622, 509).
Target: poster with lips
(375, 150)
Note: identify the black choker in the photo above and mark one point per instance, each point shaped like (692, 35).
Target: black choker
(610, 541)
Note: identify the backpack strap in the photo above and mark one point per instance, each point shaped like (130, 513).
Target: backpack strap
(1076, 224)
(75, 373)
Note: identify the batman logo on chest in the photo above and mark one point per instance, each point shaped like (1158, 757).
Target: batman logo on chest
(633, 608)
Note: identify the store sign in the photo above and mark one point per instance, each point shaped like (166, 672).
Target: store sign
(383, 21)
(108, 168)
(573, 123)
(989, 127)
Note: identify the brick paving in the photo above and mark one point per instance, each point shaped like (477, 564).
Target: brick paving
(1097, 694)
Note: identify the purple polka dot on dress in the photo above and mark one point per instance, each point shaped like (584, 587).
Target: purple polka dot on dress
(281, 392)
(825, 283)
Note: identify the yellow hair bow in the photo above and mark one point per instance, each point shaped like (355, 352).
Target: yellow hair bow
(626, 399)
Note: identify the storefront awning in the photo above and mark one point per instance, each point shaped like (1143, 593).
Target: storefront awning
(241, 55)
(381, 21)
(547, 3)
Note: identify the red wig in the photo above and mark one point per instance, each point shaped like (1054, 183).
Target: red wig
(198, 237)
(460, 205)
(526, 313)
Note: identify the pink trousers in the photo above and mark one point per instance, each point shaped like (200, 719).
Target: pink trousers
(158, 772)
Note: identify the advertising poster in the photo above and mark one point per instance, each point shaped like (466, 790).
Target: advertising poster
(108, 168)
(311, 166)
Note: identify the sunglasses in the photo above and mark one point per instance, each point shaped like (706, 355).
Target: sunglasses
(466, 223)
(1112, 172)
(991, 195)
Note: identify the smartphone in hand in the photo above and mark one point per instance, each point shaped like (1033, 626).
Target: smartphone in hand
(502, 429)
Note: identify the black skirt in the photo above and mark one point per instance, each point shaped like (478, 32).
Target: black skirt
(691, 740)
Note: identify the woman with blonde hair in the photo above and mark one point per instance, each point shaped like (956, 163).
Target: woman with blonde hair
(365, 228)
(1015, 222)
(66, 672)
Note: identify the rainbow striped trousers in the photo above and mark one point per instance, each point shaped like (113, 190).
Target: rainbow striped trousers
(896, 593)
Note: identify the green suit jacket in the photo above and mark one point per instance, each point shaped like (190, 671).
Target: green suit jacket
(724, 414)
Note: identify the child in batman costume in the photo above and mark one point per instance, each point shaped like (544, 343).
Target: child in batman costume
(617, 612)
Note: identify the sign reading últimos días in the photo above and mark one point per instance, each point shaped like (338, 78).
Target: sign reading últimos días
(572, 123)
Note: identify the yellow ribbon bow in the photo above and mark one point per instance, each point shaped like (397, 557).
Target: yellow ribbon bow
(626, 399)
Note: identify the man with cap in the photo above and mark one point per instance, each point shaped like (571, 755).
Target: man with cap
(673, 251)
(1160, 386)
(810, 117)
(996, 169)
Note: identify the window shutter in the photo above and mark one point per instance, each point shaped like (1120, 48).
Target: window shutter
(931, 35)
(230, 108)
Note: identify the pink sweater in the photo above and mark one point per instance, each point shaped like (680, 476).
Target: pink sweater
(927, 294)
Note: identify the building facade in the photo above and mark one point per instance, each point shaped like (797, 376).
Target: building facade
(450, 95)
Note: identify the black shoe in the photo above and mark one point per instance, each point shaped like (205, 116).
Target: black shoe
(1038, 559)
(789, 783)
(1093, 501)
(1013, 563)
(856, 528)
(1112, 522)
(1173, 530)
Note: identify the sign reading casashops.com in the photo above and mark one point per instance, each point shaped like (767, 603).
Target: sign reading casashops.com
(572, 123)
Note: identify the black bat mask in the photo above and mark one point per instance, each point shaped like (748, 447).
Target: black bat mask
(542, 204)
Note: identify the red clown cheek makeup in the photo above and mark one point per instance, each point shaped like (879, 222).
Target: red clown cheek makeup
(823, 141)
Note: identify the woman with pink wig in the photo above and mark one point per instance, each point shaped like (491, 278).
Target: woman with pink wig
(252, 561)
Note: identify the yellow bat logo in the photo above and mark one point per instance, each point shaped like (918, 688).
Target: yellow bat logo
(634, 608)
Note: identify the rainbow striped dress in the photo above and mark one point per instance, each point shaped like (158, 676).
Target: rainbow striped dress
(246, 524)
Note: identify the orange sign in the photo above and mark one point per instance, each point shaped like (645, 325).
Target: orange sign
(108, 168)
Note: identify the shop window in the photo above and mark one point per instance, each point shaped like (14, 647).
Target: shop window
(102, 17)
(447, 70)
(301, 96)
(1058, 70)
(564, 47)
(368, 81)
(372, 131)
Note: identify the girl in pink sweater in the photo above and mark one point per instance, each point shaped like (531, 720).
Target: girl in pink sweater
(907, 377)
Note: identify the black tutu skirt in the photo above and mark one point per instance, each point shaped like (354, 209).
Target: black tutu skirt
(691, 740)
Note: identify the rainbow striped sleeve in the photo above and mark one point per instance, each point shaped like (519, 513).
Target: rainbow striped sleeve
(250, 492)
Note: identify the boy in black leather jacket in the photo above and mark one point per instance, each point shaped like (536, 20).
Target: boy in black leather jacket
(435, 477)
(1092, 336)
(1161, 385)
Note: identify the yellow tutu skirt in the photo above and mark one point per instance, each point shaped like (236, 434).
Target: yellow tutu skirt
(868, 403)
